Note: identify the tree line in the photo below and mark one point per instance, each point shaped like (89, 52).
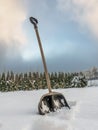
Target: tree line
(35, 80)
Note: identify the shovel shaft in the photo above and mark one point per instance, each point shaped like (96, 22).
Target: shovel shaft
(42, 55)
(43, 59)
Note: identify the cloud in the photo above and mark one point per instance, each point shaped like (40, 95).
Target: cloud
(84, 12)
(11, 18)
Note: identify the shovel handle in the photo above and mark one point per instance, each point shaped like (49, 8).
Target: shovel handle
(34, 21)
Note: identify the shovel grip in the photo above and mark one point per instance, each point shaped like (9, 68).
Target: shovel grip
(34, 21)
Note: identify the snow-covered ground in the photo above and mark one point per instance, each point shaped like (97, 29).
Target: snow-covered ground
(18, 111)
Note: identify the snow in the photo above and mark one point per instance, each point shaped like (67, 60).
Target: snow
(92, 83)
(18, 111)
(45, 108)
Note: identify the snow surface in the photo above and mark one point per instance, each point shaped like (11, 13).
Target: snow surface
(18, 111)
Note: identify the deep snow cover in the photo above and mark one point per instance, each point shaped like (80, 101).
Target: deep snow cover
(18, 111)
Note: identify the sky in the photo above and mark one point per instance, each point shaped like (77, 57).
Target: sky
(68, 30)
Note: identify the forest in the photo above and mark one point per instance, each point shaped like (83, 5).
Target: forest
(34, 80)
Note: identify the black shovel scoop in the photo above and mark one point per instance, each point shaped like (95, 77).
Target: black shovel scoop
(51, 101)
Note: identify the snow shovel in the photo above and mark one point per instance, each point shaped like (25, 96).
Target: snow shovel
(51, 101)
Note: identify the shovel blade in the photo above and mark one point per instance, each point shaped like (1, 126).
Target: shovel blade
(50, 102)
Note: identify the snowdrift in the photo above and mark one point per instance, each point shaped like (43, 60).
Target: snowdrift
(18, 111)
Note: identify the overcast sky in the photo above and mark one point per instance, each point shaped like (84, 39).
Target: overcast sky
(68, 31)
